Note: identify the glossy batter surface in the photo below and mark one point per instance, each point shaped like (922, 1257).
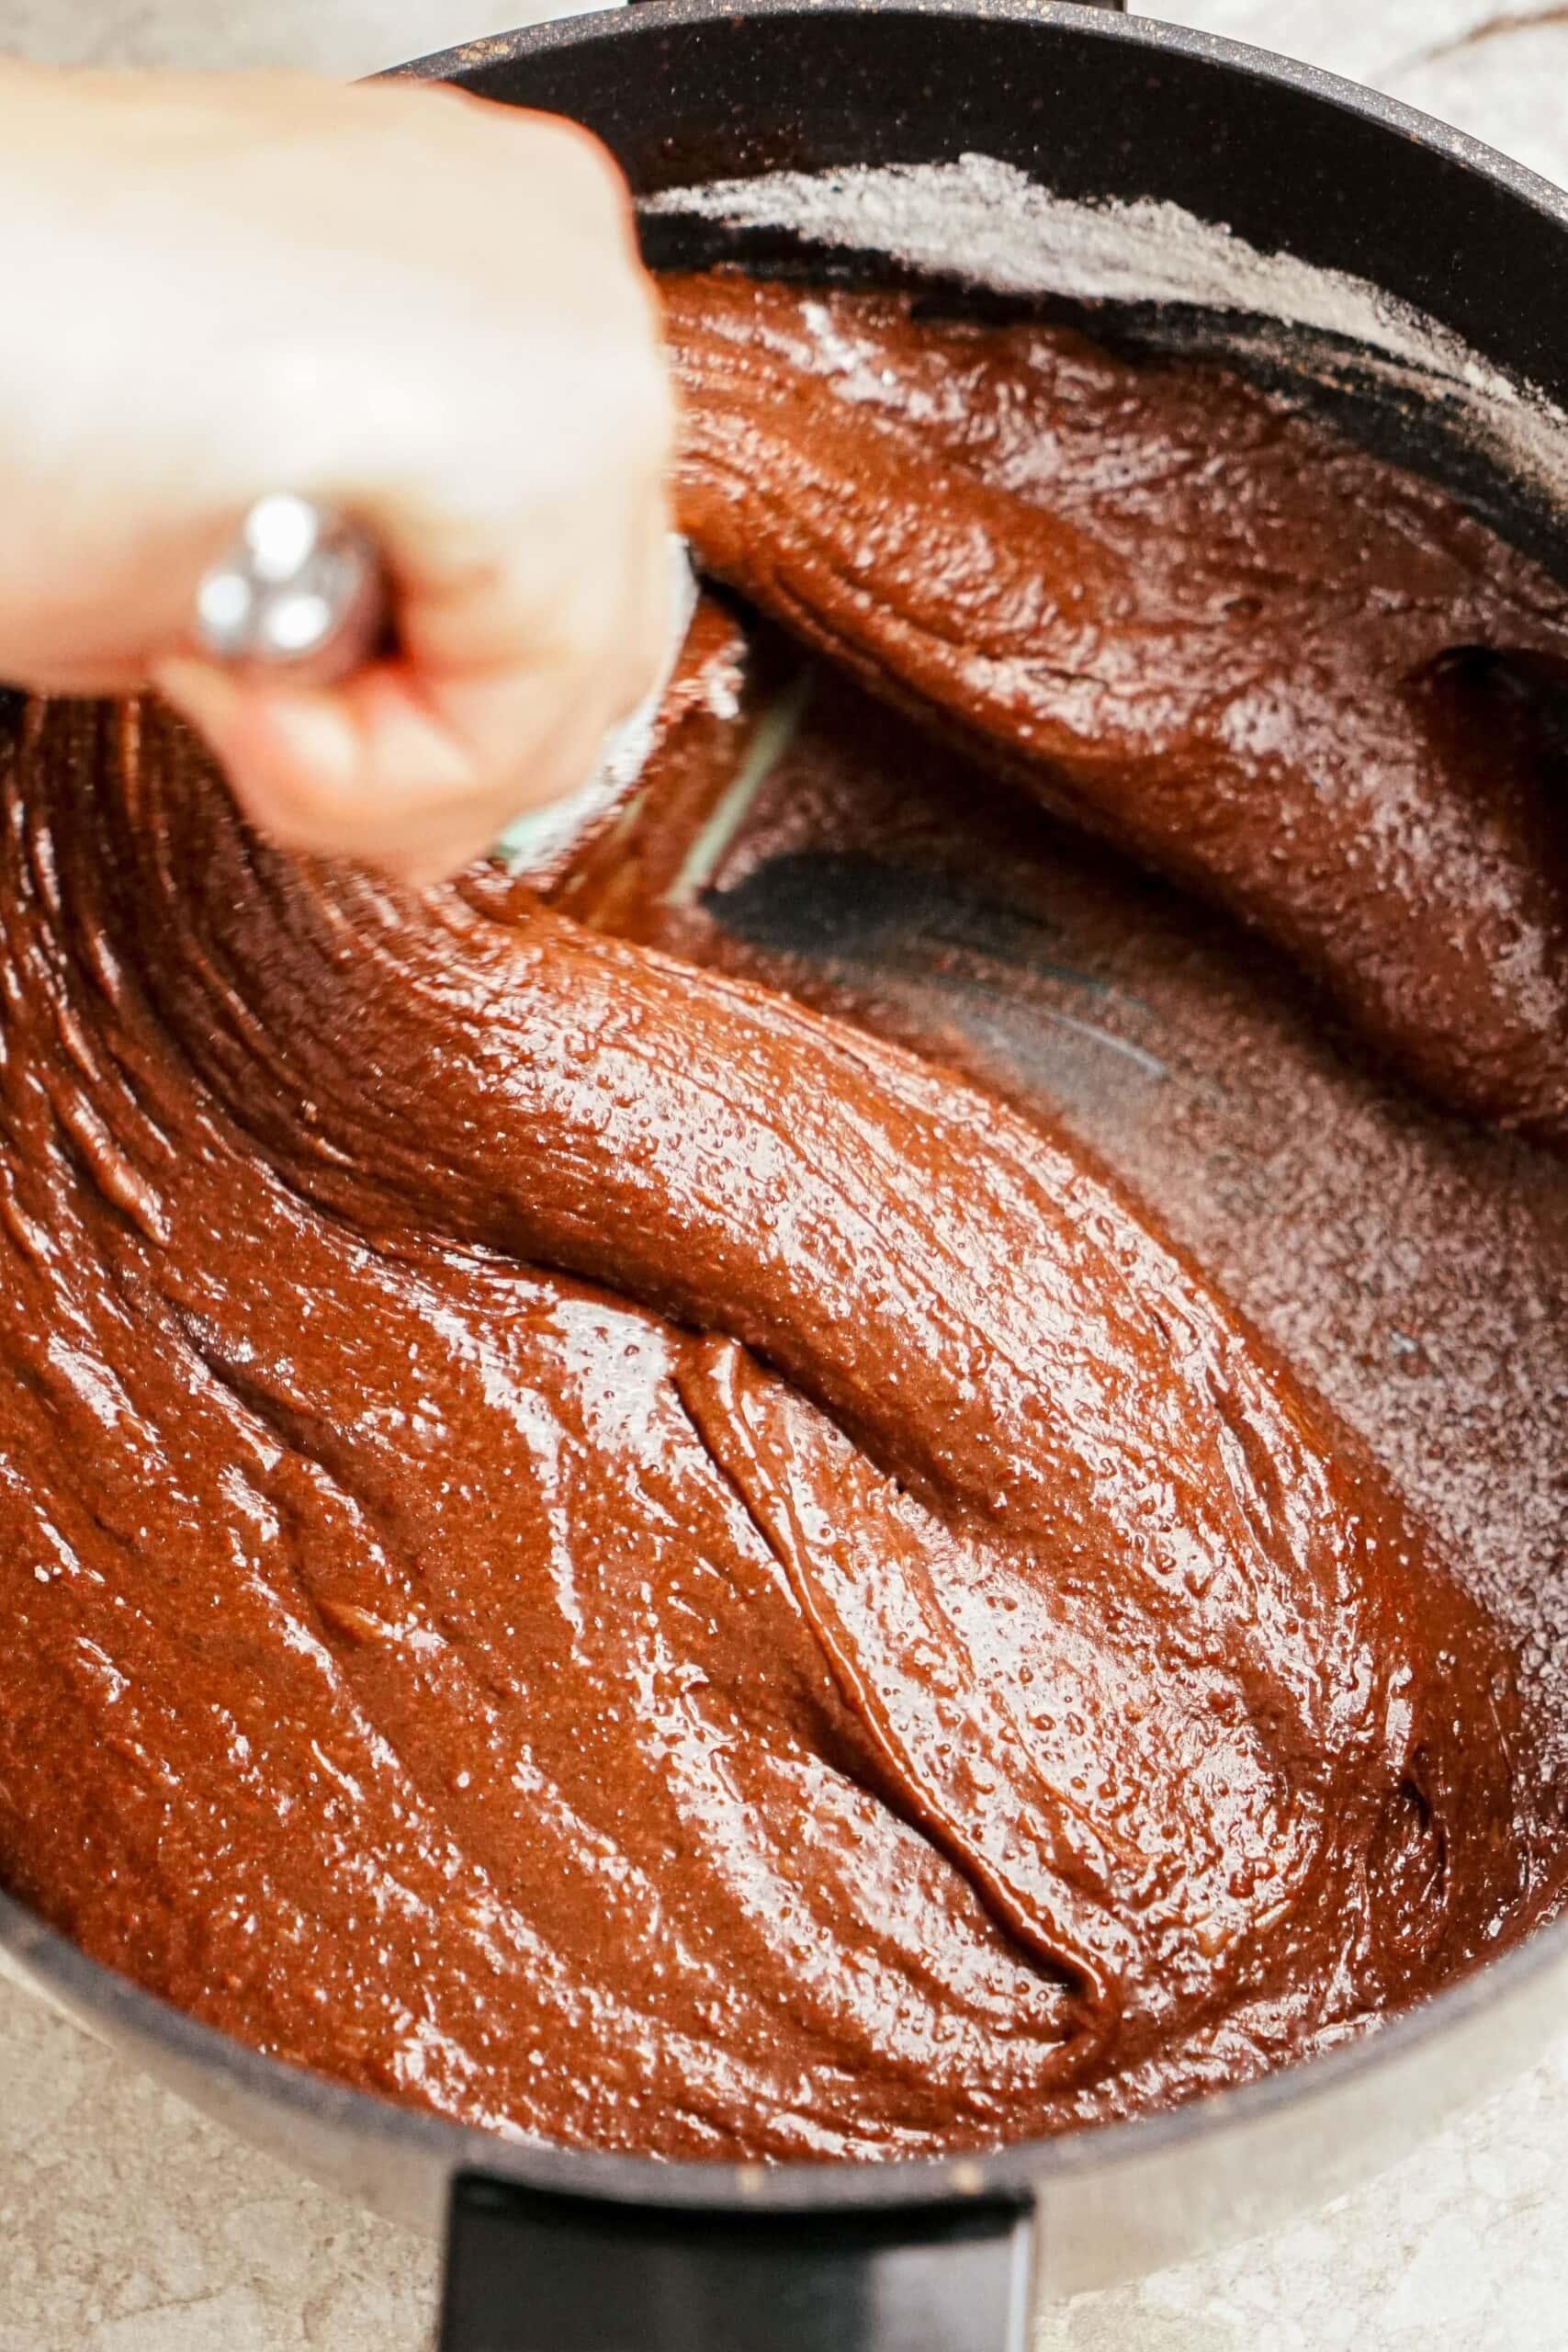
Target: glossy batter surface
(1272, 667)
(589, 1547)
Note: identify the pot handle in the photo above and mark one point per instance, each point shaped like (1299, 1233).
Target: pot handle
(529, 2271)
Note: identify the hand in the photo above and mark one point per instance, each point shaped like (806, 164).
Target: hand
(425, 310)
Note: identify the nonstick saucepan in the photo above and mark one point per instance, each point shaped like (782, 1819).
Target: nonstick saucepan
(555, 2250)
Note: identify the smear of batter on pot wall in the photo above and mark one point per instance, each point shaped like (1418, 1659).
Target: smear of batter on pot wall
(593, 1547)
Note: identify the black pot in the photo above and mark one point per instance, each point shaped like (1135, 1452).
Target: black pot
(557, 2251)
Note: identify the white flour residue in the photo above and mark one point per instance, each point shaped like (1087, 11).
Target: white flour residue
(989, 224)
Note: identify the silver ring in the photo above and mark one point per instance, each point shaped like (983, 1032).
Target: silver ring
(301, 588)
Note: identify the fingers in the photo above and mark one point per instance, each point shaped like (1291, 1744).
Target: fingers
(362, 771)
(417, 769)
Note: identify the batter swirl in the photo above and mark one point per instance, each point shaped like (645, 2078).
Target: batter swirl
(591, 1548)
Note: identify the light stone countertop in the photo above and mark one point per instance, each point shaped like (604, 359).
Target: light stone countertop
(127, 2224)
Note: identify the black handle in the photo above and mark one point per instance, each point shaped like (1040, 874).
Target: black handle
(530, 2272)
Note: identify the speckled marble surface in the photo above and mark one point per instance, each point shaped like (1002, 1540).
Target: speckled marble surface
(128, 2224)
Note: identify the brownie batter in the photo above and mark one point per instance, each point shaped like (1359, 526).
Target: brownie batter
(1277, 670)
(594, 1549)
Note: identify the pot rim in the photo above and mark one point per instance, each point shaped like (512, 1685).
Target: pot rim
(467, 59)
(86, 1988)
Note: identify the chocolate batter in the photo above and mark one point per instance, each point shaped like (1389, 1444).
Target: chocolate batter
(596, 1550)
(1277, 670)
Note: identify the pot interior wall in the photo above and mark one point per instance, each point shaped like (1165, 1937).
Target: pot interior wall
(1092, 105)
